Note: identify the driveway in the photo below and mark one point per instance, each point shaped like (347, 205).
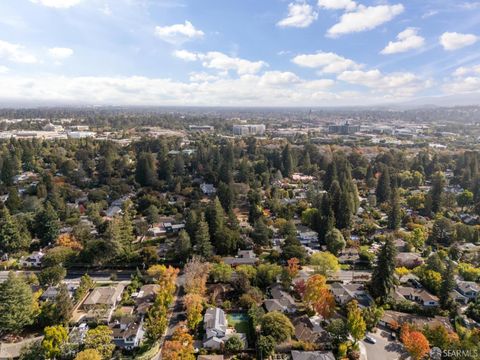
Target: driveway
(384, 349)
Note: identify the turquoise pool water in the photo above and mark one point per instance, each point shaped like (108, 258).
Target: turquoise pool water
(238, 316)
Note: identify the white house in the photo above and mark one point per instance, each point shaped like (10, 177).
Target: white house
(33, 260)
(208, 189)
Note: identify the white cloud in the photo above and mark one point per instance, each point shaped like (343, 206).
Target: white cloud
(407, 40)
(400, 84)
(454, 41)
(202, 77)
(60, 53)
(279, 78)
(4, 69)
(178, 33)
(221, 61)
(465, 70)
(185, 55)
(463, 85)
(364, 18)
(327, 62)
(300, 14)
(270, 88)
(348, 5)
(15, 53)
(58, 4)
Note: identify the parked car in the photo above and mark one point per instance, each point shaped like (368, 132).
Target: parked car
(370, 339)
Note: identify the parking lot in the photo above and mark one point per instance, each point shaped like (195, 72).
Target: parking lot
(384, 348)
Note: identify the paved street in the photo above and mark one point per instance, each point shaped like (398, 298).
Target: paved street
(384, 349)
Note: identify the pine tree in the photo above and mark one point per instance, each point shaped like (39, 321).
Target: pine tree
(184, 246)
(63, 305)
(447, 286)
(215, 217)
(344, 215)
(191, 223)
(287, 161)
(436, 192)
(383, 275)
(202, 239)
(47, 225)
(11, 239)
(261, 233)
(16, 304)
(330, 175)
(226, 196)
(13, 202)
(383, 186)
(394, 215)
(146, 172)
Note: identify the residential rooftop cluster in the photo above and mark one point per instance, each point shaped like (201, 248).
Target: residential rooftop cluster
(228, 237)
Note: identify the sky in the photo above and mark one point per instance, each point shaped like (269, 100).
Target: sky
(238, 52)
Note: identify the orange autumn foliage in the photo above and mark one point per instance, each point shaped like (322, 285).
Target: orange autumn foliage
(318, 296)
(68, 240)
(415, 342)
(180, 347)
(292, 267)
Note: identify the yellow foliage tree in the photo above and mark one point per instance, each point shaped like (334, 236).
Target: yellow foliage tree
(68, 240)
(318, 297)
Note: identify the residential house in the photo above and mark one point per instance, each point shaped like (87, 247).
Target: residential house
(101, 302)
(210, 357)
(395, 319)
(112, 211)
(420, 296)
(312, 355)
(280, 300)
(408, 259)
(309, 330)
(33, 260)
(344, 293)
(244, 257)
(77, 334)
(127, 333)
(145, 298)
(217, 330)
(468, 289)
(208, 189)
(215, 325)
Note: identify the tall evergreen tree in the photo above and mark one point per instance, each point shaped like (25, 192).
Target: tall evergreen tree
(383, 279)
(47, 225)
(330, 175)
(447, 286)
(16, 304)
(63, 305)
(394, 215)
(146, 171)
(344, 215)
(287, 161)
(11, 239)
(436, 192)
(183, 249)
(383, 186)
(202, 239)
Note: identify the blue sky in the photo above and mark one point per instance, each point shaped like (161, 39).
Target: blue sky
(238, 52)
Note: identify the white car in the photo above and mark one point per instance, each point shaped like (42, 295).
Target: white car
(370, 339)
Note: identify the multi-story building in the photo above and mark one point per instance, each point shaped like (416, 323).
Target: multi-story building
(250, 129)
(345, 129)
